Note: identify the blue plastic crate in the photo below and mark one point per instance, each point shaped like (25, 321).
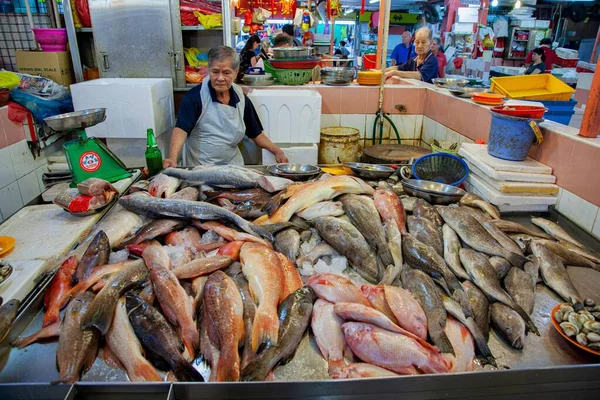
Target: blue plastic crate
(558, 106)
(562, 117)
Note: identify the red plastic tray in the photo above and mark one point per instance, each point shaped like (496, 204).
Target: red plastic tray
(521, 111)
(566, 62)
(300, 64)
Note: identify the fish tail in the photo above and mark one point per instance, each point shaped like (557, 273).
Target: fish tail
(263, 233)
(191, 339)
(228, 366)
(335, 366)
(143, 371)
(51, 316)
(530, 325)
(265, 328)
(461, 297)
(439, 338)
(46, 332)
(98, 316)
(481, 342)
(185, 372)
(516, 259)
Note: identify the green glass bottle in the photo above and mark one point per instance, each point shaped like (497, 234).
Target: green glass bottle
(153, 154)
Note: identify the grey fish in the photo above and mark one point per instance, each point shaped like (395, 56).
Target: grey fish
(77, 346)
(556, 231)
(8, 313)
(153, 229)
(419, 255)
(484, 276)
(532, 267)
(423, 288)
(101, 311)
(188, 193)
(473, 200)
(394, 239)
(453, 308)
(501, 237)
(408, 203)
(97, 254)
(522, 240)
(451, 248)
(349, 242)
(514, 227)
(294, 317)
(569, 257)
(152, 206)
(426, 210)
(364, 215)
(500, 265)
(476, 213)
(555, 275)
(225, 176)
(280, 226)
(475, 235)
(427, 232)
(590, 255)
(249, 312)
(159, 339)
(521, 287)
(509, 324)
(287, 242)
(275, 202)
(480, 305)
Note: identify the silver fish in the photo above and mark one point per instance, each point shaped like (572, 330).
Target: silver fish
(590, 255)
(509, 324)
(568, 256)
(501, 237)
(484, 276)
(427, 232)
(322, 209)
(473, 200)
(521, 288)
(423, 288)
(189, 209)
(475, 235)
(556, 231)
(514, 227)
(320, 250)
(555, 275)
(451, 249)
(349, 242)
(225, 176)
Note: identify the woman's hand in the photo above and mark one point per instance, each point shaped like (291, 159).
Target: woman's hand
(168, 163)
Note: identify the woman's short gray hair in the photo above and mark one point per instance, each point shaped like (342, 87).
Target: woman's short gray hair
(223, 53)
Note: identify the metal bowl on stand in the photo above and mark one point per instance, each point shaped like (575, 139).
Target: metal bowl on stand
(370, 171)
(295, 172)
(433, 192)
(291, 53)
(449, 82)
(76, 120)
(258, 80)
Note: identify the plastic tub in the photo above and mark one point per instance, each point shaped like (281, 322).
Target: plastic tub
(370, 61)
(510, 137)
(51, 40)
(532, 87)
(521, 111)
(4, 93)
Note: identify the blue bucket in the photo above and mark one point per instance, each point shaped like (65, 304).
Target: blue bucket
(510, 137)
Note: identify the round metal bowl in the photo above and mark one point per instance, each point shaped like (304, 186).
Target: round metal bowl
(338, 71)
(449, 82)
(370, 171)
(266, 82)
(433, 192)
(295, 168)
(466, 92)
(291, 53)
(77, 119)
(273, 170)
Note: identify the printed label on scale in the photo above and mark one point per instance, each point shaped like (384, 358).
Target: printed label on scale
(90, 161)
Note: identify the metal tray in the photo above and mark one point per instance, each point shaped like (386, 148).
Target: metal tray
(549, 366)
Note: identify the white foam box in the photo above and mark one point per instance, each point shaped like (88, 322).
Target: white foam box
(480, 151)
(462, 27)
(467, 15)
(289, 116)
(131, 151)
(514, 187)
(303, 154)
(509, 202)
(133, 105)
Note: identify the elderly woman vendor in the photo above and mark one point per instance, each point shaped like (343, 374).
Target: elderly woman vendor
(423, 67)
(215, 116)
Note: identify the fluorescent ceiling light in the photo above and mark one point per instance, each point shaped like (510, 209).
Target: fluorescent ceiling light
(373, 1)
(518, 4)
(494, 3)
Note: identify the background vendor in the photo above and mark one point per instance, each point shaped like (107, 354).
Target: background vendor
(215, 116)
(538, 65)
(404, 51)
(422, 67)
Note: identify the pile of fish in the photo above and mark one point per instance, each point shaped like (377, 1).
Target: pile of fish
(226, 265)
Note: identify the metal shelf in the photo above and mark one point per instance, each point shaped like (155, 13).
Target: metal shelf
(89, 30)
(198, 28)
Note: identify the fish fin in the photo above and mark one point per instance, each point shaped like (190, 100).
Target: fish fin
(51, 316)
(99, 316)
(439, 338)
(261, 220)
(530, 325)
(517, 259)
(265, 328)
(44, 333)
(262, 232)
(143, 371)
(461, 297)
(185, 372)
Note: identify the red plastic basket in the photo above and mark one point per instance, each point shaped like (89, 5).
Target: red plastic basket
(370, 61)
(521, 111)
(301, 64)
(566, 62)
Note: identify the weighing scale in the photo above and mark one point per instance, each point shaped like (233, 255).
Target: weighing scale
(87, 157)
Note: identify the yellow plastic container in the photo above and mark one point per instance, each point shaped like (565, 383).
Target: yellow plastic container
(532, 87)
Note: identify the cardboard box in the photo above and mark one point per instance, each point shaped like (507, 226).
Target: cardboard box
(56, 65)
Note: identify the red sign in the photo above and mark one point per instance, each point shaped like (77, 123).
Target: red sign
(280, 9)
(90, 161)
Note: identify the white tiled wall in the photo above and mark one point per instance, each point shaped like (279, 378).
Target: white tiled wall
(20, 178)
(409, 126)
(434, 130)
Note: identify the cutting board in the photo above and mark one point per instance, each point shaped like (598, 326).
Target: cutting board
(392, 153)
(504, 175)
(507, 207)
(529, 165)
(510, 201)
(515, 187)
